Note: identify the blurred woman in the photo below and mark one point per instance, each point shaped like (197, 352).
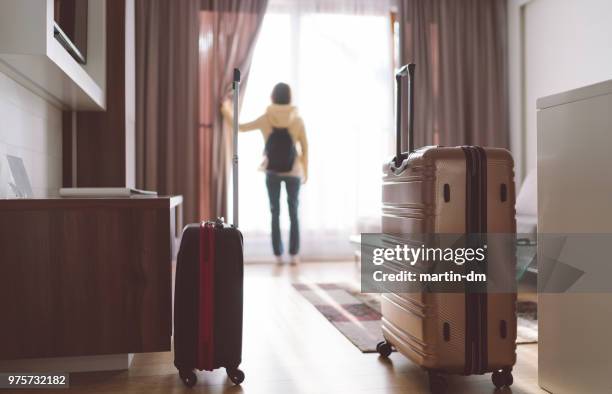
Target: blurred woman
(283, 132)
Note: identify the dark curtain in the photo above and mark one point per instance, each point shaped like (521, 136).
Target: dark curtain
(228, 32)
(167, 139)
(460, 49)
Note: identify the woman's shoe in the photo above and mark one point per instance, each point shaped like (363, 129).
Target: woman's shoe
(279, 260)
(295, 259)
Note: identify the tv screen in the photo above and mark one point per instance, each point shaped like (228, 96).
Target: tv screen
(71, 27)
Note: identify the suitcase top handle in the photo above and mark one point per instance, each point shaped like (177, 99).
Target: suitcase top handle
(406, 70)
(236, 96)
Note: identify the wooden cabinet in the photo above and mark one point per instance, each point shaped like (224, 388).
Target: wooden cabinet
(85, 276)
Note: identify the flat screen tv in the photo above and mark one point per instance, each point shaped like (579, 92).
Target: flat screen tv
(70, 27)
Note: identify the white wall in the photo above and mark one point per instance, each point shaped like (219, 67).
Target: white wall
(30, 128)
(565, 44)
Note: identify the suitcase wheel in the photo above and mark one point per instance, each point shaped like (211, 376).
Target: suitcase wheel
(437, 383)
(384, 349)
(188, 377)
(502, 378)
(235, 375)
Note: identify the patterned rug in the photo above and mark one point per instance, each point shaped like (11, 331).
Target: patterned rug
(357, 315)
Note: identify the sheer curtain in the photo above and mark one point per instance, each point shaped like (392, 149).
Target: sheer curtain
(228, 32)
(337, 57)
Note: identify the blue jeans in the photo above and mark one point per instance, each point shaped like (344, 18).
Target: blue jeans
(292, 185)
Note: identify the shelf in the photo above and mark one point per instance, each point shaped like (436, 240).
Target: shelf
(30, 54)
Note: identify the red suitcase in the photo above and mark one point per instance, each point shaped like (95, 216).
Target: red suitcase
(208, 294)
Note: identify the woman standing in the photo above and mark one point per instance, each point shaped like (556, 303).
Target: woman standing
(283, 132)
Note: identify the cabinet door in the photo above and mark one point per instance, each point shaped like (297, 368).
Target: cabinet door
(85, 280)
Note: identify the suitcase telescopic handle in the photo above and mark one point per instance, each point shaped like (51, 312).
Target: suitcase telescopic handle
(406, 70)
(236, 97)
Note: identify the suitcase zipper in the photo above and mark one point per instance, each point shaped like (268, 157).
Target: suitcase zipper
(482, 293)
(469, 224)
(475, 299)
(207, 291)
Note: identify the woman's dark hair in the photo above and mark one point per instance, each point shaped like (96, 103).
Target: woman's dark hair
(281, 94)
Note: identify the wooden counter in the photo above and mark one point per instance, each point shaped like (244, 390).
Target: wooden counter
(85, 276)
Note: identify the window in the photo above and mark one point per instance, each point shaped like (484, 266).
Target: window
(340, 69)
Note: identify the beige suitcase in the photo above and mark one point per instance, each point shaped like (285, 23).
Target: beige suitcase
(436, 190)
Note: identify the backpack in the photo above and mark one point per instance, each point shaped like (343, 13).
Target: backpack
(280, 150)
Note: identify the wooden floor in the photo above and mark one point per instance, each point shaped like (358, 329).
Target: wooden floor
(290, 348)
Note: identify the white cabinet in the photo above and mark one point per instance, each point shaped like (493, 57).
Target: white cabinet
(574, 195)
(30, 54)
